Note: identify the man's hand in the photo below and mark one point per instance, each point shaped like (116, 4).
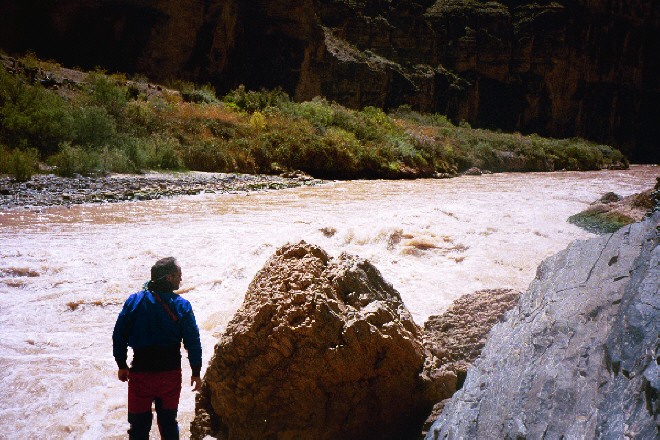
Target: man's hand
(122, 374)
(197, 382)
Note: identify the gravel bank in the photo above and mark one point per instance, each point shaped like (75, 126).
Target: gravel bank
(50, 190)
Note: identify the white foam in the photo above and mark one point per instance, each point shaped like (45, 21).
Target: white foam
(434, 240)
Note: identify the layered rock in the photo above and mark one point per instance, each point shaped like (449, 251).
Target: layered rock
(577, 357)
(562, 68)
(320, 349)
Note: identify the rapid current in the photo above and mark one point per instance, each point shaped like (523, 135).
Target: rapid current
(64, 273)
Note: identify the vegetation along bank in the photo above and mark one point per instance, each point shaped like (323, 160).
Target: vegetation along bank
(90, 123)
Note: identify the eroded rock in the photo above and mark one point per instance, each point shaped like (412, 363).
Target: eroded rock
(321, 348)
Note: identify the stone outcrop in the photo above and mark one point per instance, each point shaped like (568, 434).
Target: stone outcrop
(611, 212)
(320, 349)
(455, 338)
(563, 68)
(577, 357)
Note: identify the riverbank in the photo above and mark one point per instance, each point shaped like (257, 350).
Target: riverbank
(43, 191)
(90, 123)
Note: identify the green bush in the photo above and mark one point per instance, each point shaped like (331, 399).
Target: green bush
(207, 156)
(317, 111)
(116, 160)
(72, 160)
(251, 101)
(190, 92)
(31, 116)
(432, 119)
(103, 92)
(21, 164)
(141, 119)
(164, 153)
(94, 127)
(203, 95)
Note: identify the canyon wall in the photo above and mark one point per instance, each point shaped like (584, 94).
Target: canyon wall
(562, 68)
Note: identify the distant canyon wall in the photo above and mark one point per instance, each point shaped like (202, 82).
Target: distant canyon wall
(561, 68)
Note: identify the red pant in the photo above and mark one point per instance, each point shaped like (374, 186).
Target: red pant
(164, 388)
(145, 387)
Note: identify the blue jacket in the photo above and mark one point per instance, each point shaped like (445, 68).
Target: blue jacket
(145, 325)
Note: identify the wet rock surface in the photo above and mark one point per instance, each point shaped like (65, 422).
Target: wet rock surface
(611, 212)
(577, 357)
(49, 190)
(321, 348)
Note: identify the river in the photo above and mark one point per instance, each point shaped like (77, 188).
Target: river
(65, 272)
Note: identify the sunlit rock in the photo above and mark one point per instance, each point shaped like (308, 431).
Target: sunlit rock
(321, 348)
(474, 171)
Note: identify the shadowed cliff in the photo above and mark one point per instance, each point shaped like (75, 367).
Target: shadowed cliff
(560, 69)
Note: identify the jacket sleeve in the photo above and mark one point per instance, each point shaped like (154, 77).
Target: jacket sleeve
(191, 341)
(120, 336)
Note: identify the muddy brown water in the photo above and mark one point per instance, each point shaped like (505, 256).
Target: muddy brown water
(64, 273)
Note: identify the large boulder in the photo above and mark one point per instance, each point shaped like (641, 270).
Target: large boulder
(321, 348)
(577, 357)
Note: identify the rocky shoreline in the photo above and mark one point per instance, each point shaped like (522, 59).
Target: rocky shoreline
(43, 191)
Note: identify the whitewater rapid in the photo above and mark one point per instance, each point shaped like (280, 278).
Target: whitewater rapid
(64, 273)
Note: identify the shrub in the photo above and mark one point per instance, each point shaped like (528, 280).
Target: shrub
(163, 153)
(93, 126)
(433, 119)
(317, 111)
(251, 101)
(206, 156)
(335, 155)
(140, 119)
(116, 160)
(203, 95)
(31, 116)
(102, 91)
(21, 164)
(72, 160)
(257, 120)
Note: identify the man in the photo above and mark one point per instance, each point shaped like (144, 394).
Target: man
(153, 322)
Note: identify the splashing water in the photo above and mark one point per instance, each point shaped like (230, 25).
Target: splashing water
(64, 273)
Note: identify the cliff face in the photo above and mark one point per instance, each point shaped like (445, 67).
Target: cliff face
(563, 68)
(577, 357)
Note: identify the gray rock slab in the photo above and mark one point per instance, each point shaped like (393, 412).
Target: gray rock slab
(577, 357)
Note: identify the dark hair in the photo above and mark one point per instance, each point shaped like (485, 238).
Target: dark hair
(160, 270)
